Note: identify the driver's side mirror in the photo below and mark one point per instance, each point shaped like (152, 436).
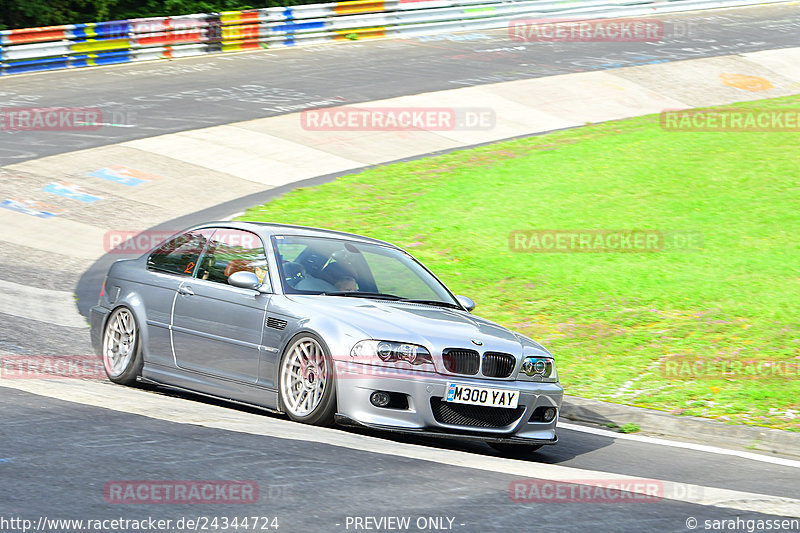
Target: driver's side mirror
(244, 280)
(467, 303)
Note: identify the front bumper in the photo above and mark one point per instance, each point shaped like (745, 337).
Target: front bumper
(356, 382)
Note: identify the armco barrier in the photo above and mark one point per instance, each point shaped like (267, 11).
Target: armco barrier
(122, 41)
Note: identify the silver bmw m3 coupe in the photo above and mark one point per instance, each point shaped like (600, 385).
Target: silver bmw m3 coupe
(326, 327)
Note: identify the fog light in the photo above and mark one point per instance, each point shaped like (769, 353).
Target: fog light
(544, 414)
(380, 399)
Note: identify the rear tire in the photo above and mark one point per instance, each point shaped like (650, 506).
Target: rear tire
(306, 384)
(122, 355)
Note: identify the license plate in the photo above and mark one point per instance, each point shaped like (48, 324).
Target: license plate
(489, 397)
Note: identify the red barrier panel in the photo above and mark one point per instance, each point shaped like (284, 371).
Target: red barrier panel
(36, 35)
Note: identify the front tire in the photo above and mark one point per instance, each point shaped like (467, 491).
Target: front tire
(122, 355)
(306, 382)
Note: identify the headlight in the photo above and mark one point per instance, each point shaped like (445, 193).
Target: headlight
(539, 368)
(391, 352)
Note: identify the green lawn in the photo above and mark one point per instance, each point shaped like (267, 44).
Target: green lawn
(613, 320)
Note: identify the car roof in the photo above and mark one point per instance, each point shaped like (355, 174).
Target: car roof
(268, 229)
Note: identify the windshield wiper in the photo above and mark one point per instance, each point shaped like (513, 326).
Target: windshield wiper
(431, 302)
(362, 294)
(392, 297)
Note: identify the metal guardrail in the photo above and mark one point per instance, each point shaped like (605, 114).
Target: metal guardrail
(124, 41)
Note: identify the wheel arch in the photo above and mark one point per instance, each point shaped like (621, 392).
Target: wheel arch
(337, 339)
(332, 386)
(131, 301)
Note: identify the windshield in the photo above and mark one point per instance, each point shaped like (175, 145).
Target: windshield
(334, 267)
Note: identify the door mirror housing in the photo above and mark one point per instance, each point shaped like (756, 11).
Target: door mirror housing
(244, 280)
(467, 303)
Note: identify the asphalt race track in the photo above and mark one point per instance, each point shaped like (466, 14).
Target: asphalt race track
(61, 455)
(63, 442)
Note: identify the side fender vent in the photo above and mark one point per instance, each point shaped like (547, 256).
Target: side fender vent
(275, 323)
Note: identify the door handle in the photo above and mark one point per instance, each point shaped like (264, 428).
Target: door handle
(186, 290)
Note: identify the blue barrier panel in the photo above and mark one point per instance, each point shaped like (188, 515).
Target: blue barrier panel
(108, 58)
(288, 13)
(81, 32)
(101, 58)
(116, 29)
(293, 27)
(33, 65)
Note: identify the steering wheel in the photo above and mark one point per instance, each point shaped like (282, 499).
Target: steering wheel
(293, 272)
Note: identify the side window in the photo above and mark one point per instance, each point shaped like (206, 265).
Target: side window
(233, 250)
(179, 255)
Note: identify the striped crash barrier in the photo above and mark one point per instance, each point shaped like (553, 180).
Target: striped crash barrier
(100, 43)
(241, 30)
(171, 37)
(22, 48)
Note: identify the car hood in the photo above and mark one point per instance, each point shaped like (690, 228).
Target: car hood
(433, 327)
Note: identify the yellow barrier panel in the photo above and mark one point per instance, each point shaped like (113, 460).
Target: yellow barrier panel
(358, 6)
(250, 44)
(239, 17)
(99, 46)
(248, 31)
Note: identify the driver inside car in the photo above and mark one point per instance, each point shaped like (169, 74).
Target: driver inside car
(297, 276)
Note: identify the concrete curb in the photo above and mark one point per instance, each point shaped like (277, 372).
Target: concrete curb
(684, 427)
